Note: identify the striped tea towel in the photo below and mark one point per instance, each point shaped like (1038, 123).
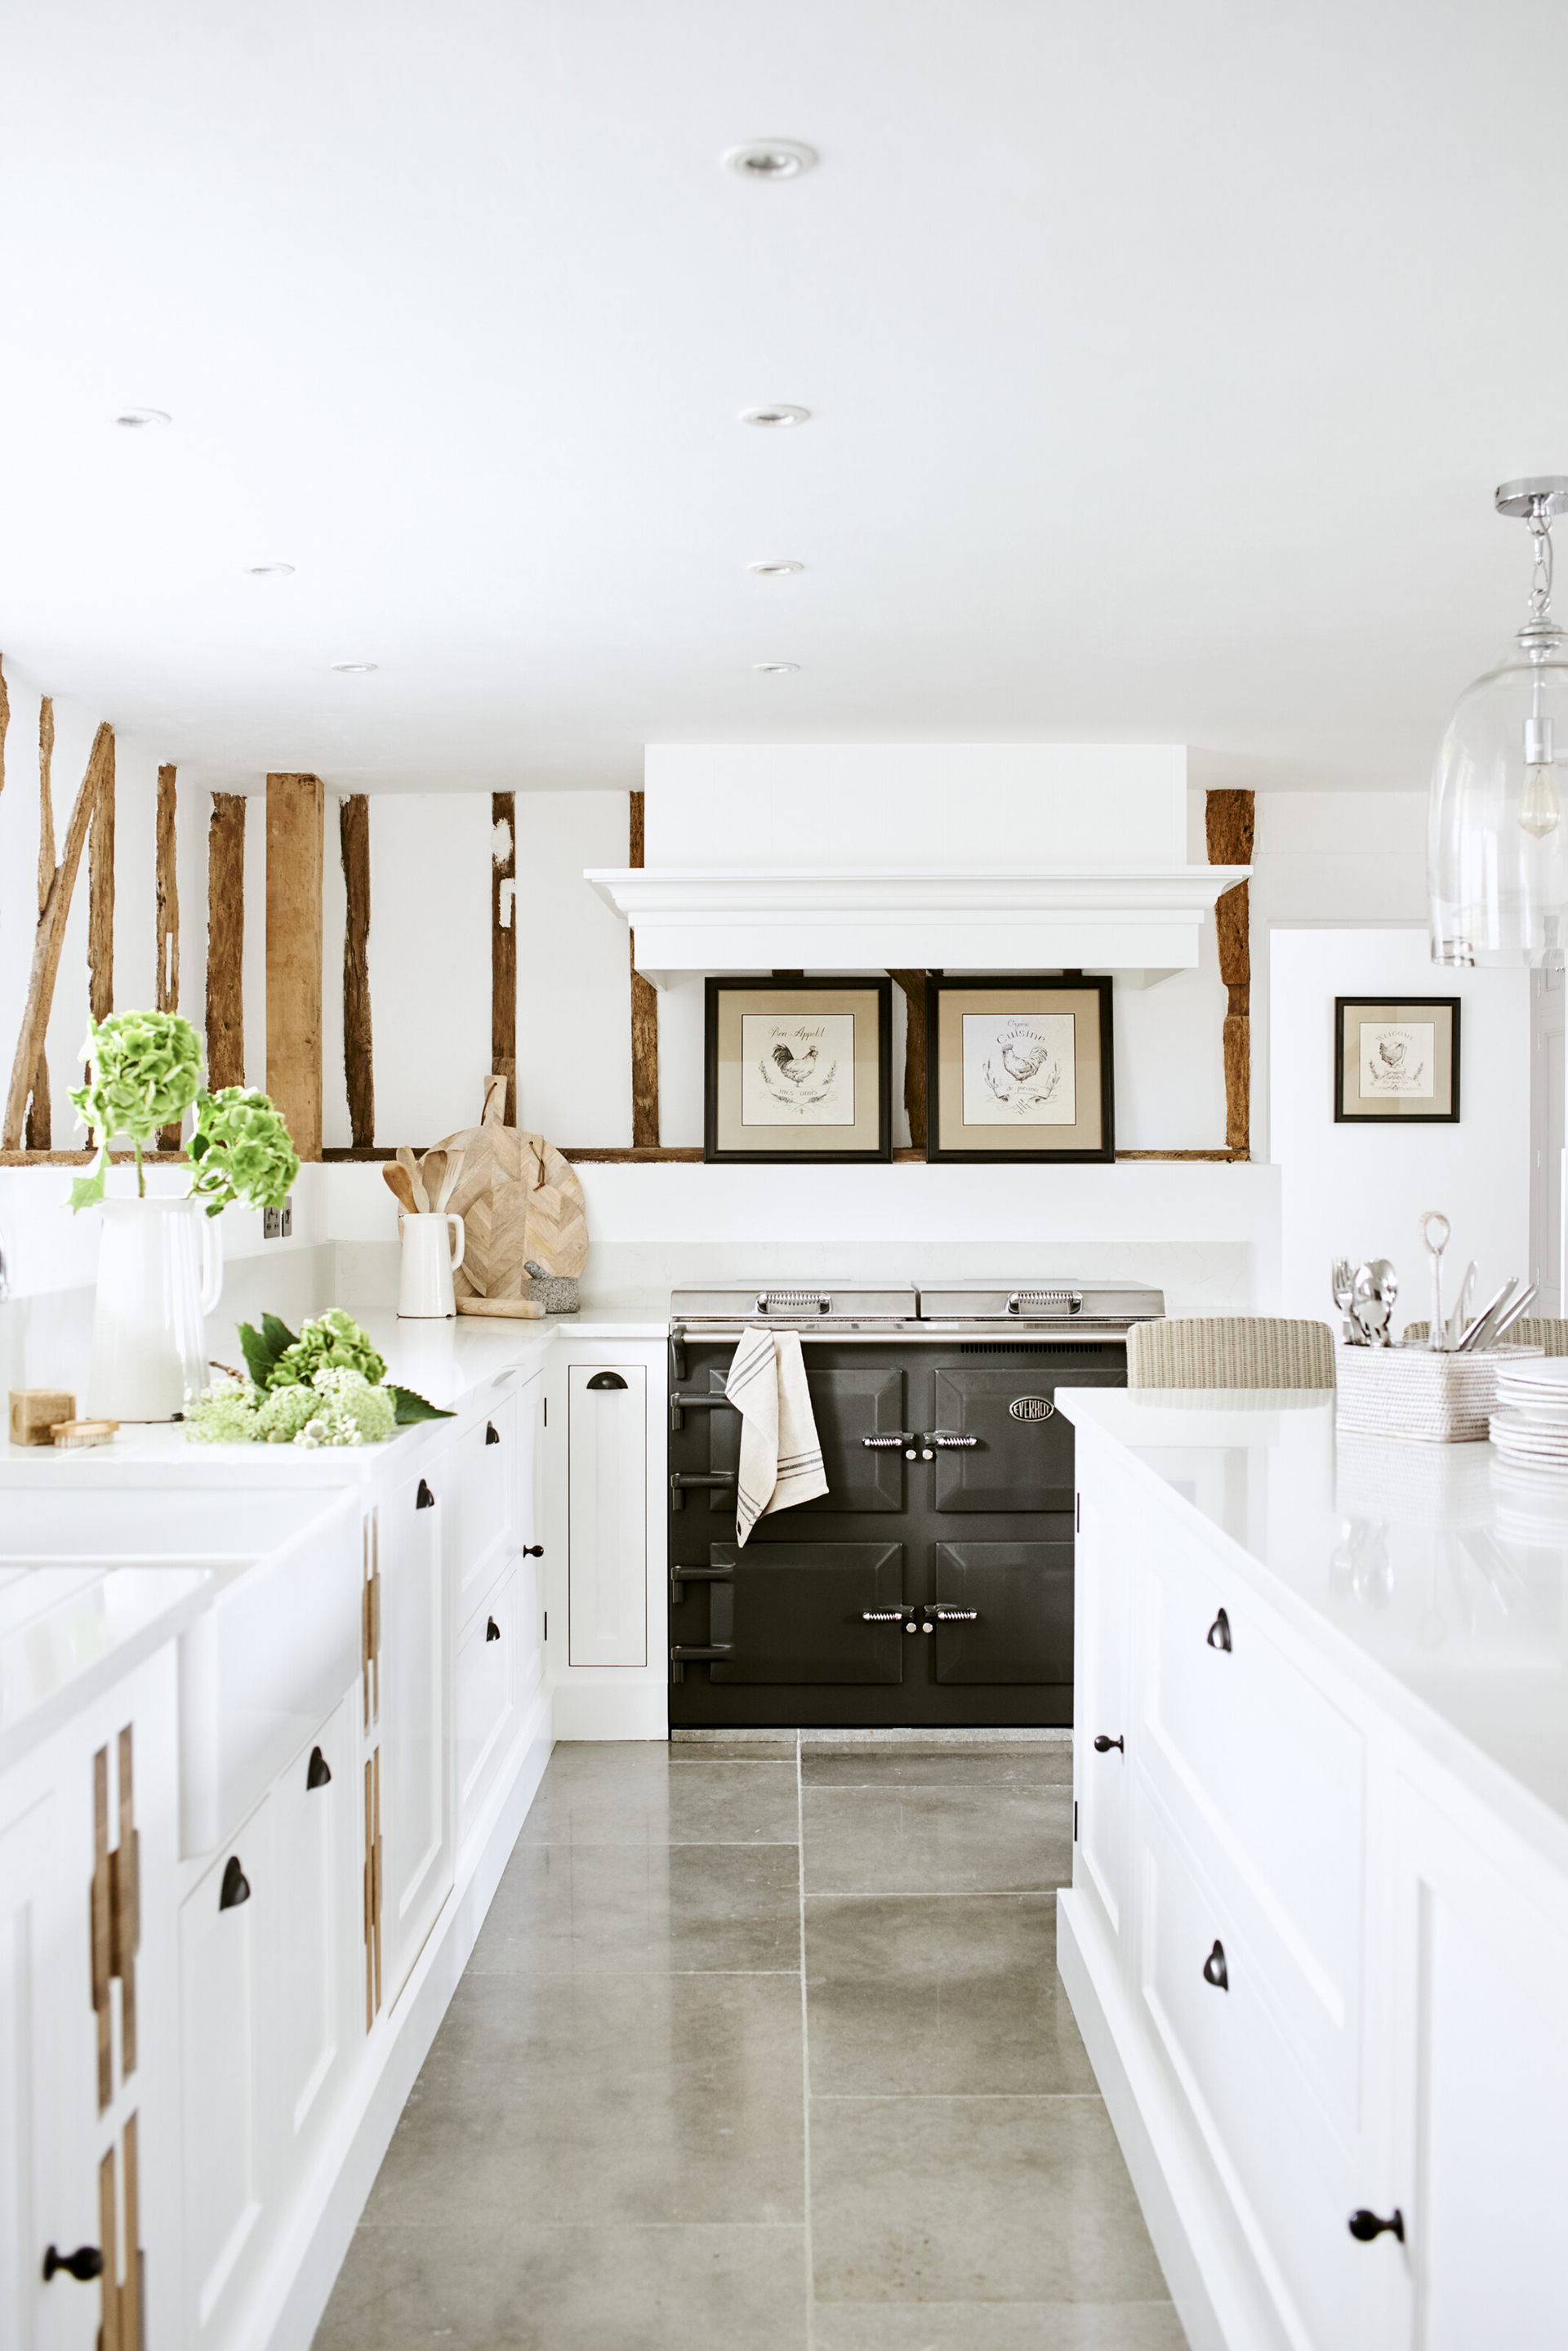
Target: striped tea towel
(780, 1459)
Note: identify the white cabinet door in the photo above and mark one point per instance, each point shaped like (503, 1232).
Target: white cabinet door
(223, 1931)
(312, 1944)
(482, 1456)
(607, 1505)
(415, 1796)
(1102, 1699)
(48, 2173)
(486, 1701)
(1481, 2008)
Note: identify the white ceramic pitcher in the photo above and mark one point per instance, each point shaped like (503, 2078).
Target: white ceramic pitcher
(159, 1271)
(433, 1248)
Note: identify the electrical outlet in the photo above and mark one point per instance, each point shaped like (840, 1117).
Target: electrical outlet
(277, 1224)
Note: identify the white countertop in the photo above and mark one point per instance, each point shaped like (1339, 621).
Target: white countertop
(1434, 1572)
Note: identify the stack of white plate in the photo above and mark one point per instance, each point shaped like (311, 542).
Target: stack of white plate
(1530, 1423)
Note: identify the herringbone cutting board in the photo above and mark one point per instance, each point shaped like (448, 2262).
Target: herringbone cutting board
(518, 1199)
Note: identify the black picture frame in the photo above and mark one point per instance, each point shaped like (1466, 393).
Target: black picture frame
(790, 999)
(1393, 1010)
(940, 991)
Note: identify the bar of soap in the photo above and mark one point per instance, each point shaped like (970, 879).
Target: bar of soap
(36, 1413)
(69, 1434)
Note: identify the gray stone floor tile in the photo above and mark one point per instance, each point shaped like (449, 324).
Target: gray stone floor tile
(654, 2098)
(1047, 1764)
(999, 2326)
(614, 1909)
(700, 1799)
(947, 1992)
(975, 2199)
(534, 2288)
(969, 1840)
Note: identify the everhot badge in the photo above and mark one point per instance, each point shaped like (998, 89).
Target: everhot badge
(1032, 1408)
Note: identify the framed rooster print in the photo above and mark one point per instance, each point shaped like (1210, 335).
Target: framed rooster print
(1019, 1069)
(798, 1071)
(1396, 1061)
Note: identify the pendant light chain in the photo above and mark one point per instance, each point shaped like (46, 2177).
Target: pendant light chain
(1541, 581)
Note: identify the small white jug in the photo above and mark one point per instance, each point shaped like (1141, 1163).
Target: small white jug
(159, 1273)
(432, 1247)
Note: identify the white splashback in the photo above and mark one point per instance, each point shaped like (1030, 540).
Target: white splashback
(902, 805)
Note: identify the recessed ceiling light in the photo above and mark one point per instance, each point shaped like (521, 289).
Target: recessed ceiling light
(769, 159)
(135, 418)
(271, 570)
(774, 566)
(775, 669)
(776, 413)
(355, 669)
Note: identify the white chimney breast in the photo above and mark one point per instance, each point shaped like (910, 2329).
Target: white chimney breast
(859, 806)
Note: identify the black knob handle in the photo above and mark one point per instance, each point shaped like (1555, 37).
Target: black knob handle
(319, 1771)
(533, 1551)
(1364, 2225)
(1218, 1633)
(491, 1630)
(606, 1380)
(86, 2263)
(425, 1499)
(1102, 1745)
(1215, 1971)
(236, 1886)
(492, 1434)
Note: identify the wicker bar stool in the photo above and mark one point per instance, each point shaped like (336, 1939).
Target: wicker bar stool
(1230, 1351)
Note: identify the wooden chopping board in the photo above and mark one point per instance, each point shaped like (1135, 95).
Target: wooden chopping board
(518, 1199)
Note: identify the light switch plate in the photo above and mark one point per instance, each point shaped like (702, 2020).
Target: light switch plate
(277, 1224)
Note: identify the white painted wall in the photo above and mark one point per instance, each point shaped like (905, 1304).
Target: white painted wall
(1358, 1191)
(429, 961)
(574, 971)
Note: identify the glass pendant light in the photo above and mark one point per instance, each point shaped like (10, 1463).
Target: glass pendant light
(1496, 846)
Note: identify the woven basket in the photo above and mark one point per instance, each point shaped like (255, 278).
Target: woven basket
(1413, 1392)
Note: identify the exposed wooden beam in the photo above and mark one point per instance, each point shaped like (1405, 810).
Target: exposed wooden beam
(359, 1066)
(644, 1021)
(38, 1131)
(166, 921)
(1228, 826)
(503, 946)
(913, 984)
(296, 820)
(226, 941)
(100, 898)
(49, 939)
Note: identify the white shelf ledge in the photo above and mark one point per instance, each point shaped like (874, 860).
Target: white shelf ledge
(1144, 922)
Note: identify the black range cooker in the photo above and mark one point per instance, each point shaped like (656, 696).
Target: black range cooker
(932, 1582)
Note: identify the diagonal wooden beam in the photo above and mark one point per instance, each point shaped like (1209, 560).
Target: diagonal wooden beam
(39, 1129)
(50, 937)
(644, 1019)
(1229, 827)
(100, 898)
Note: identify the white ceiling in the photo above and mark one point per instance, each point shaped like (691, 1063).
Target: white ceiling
(1162, 362)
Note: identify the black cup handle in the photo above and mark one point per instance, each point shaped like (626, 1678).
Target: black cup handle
(1215, 1971)
(425, 1499)
(235, 1887)
(318, 1772)
(491, 1630)
(1218, 1633)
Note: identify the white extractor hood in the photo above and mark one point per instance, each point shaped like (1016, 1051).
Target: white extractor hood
(849, 858)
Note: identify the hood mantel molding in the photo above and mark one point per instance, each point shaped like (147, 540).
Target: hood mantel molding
(1142, 921)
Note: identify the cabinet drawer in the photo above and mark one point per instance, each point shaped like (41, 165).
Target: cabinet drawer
(1268, 1781)
(483, 1458)
(488, 1662)
(1287, 2171)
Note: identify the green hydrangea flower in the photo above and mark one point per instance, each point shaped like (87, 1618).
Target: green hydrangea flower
(354, 1404)
(284, 1413)
(241, 1149)
(334, 1342)
(144, 1071)
(223, 1415)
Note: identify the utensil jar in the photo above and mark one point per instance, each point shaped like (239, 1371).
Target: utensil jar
(432, 1247)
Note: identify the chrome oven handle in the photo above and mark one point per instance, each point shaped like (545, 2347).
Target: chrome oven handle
(1046, 1302)
(948, 1440)
(888, 1443)
(793, 1301)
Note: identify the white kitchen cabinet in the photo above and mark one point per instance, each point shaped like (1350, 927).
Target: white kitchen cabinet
(312, 1942)
(488, 1691)
(416, 1809)
(481, 1469)
(1102, 1679)
(223, 1933)
(607, 1503)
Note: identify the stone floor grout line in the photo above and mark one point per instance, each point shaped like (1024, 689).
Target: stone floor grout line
(805, 2060)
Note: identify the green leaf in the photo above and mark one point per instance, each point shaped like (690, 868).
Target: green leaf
(88, 1190)
(263, 1347)
(278, 1334)
(412, 1407)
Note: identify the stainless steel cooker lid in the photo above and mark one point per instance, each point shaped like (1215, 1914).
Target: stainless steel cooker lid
(798, 1305)
(1040, 1301)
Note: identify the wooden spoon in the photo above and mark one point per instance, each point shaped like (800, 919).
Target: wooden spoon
(433, 1175)
(406, 1160)
(397, 1181)
(454, 1176)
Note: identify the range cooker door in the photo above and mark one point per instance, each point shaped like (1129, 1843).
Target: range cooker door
(797, 1613)
(1020, 1627)
(848, 1406)
(1020, 1456)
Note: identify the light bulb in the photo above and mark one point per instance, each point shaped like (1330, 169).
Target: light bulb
(1538, 807)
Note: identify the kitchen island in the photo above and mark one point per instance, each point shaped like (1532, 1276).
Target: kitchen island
(1317, 1936)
